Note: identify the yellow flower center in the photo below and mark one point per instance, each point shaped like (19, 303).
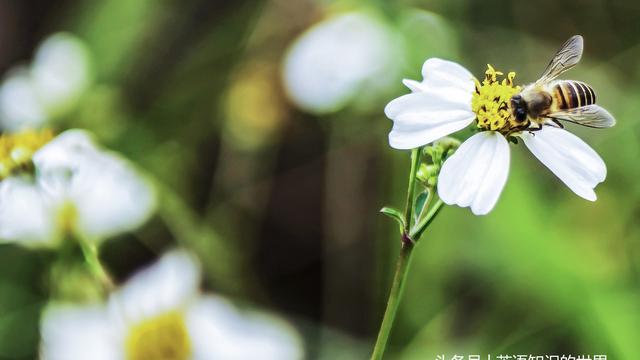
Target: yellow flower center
(17, 149)
(164, 337)
(491, 102)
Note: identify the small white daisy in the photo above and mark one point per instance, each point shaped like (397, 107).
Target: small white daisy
(77, 188)
(161, 314)
(449, 99)
(49, 87)
(344, 59)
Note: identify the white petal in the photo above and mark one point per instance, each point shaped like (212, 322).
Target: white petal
(439, 105)
(20, 106)
(110, 197)
(60, 71)
(26, 215)
(219, 331)
(77, 333)
(476, 173)
(168, 285)
(413, 85)
(65, 150)
(423, 117)
(427, 102)
(443, 74)
(58, 161)
(570, 158)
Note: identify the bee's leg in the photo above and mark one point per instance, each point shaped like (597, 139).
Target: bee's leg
(532, 129)
(555, 123)
(518, 129)
(509, 135)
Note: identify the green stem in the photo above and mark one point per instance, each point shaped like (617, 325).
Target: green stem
(90, 253)
(402, 266)
(408, 211)
(410, 235)
(399, 279)
(426, 205)
(417, 231)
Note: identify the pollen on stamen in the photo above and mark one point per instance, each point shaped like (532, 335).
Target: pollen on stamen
(490, 101)
(17, 149)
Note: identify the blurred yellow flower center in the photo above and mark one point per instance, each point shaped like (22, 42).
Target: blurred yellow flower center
(17, 149)
(164, 337)
(491, 103)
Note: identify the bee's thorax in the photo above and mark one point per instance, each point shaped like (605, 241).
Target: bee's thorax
(538, 102)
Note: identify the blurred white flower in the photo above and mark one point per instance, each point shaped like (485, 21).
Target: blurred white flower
(344, 58)
(59, 74)
(161, 314)
(77, 188)
(449, 99)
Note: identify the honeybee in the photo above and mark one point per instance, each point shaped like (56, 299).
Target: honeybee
(548, 100)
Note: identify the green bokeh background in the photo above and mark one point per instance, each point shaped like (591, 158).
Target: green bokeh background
(282, 206)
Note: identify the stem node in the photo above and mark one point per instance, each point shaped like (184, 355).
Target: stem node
(406, 239)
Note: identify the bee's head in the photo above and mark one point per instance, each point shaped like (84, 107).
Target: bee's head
(519, 108)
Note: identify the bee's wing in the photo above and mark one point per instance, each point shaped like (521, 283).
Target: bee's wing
(566, 58)
(591, 115)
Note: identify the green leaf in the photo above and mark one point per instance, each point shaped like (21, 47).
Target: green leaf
(421, 200)
(394, 214)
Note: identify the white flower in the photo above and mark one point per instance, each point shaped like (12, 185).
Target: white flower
(160, 313)
(78, 188)
(342, 59)
(59, 74)
(449, 99)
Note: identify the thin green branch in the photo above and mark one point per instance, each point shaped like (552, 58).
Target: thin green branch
(419, 229)
(395, 295)
(408, 211)
(92, 259)
(410, 235)
(402, 265)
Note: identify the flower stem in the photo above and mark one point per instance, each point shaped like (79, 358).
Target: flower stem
(408, 211)
(395, 295)
(90, 254)
(402, 266)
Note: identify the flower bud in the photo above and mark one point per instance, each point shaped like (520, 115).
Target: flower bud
(428, 174)
(423, 173)
(448, 143)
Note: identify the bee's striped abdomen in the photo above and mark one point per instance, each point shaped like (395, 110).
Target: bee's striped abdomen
(572, 94)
